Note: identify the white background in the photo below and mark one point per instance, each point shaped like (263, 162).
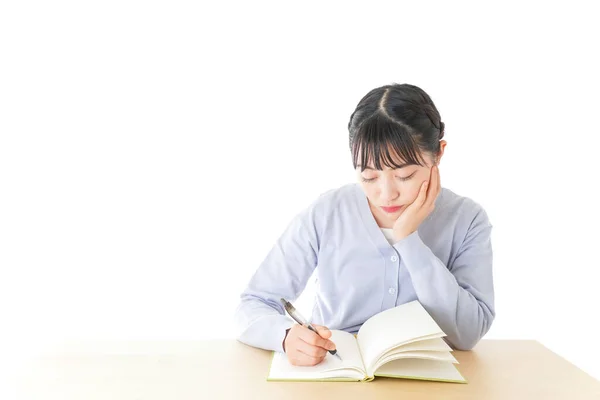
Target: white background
(152, 152)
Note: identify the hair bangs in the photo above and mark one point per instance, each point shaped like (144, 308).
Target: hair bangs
(384, 142)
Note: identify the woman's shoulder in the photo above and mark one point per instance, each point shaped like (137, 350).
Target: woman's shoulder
(337, 195)
(342, 199)
(335, 200)
(464, 207)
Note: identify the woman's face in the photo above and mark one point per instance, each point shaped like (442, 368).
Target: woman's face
(390, 191)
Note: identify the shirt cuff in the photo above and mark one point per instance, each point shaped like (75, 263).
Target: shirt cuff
(422, 264)
(411, 243)
(267, 332)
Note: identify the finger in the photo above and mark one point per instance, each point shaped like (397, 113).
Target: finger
(422, 196)
(434, 182)
(311, 351)
(304, 359)
(299, 358)
(323, 331)
(313, 339)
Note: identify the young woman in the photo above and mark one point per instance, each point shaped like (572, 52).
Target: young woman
(393, 237)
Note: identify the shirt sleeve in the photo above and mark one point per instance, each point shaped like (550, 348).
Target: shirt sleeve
(260, 318)
(460, 297)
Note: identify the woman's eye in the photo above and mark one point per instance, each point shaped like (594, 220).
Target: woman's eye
(407, 177)
(364, 179)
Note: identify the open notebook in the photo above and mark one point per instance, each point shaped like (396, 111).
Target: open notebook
(402, 342)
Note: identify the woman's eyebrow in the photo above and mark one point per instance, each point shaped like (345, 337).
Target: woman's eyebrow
(401, 166)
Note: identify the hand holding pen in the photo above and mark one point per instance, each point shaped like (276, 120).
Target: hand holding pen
(305, 343)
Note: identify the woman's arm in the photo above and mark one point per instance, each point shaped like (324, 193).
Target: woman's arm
(260, 317)
(460, 297)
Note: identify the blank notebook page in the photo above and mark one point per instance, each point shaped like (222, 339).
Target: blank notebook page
(418, 368)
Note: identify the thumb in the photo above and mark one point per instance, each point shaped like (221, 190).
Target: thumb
(323, 331)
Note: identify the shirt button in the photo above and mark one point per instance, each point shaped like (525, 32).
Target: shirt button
(394, 258)
(392, 290)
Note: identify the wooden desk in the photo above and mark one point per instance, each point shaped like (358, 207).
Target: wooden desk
(227, 369)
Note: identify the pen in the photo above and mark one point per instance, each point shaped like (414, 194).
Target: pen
(291, 310)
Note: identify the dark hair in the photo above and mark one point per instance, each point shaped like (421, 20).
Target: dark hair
(398, 117)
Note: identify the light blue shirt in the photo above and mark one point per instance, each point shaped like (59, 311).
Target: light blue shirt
(446, 265)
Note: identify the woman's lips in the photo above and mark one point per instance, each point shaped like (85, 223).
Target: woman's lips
(391, 210)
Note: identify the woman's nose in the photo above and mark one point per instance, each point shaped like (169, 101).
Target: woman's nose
(388, 191)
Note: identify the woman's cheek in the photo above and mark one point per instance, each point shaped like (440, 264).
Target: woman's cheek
(412, 190)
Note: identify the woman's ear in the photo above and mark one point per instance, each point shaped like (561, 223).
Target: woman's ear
(441, 153)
